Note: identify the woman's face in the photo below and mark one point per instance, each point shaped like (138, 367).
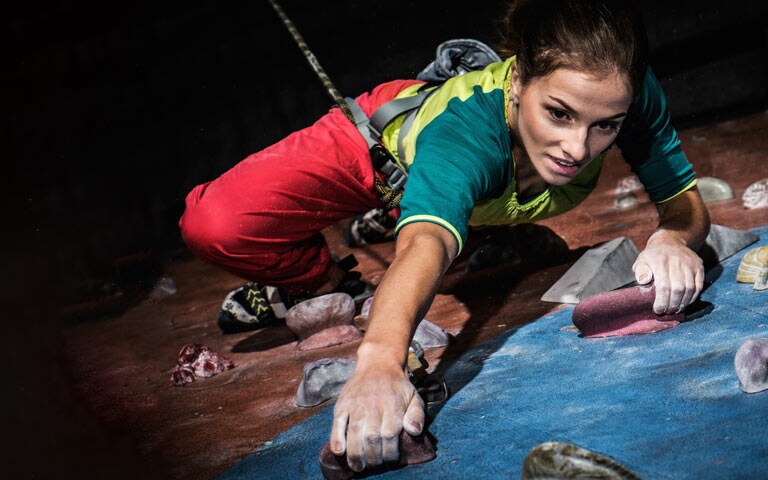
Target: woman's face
(567, 118)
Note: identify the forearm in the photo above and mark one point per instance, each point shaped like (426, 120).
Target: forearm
(424, 252)
(684, 220)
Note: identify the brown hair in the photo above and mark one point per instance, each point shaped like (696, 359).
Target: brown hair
(595, 36)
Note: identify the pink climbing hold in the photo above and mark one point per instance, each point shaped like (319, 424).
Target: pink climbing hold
(198, 361)
(323, 321)
(626, 311)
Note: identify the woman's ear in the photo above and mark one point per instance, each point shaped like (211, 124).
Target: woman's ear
(515, 86)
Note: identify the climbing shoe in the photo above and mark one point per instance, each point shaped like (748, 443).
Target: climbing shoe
(253, 306)
(373, 226)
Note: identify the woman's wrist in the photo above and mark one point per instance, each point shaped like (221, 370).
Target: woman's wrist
(380, 355)
(663, 235)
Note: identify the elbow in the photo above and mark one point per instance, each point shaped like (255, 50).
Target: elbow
(427, 239)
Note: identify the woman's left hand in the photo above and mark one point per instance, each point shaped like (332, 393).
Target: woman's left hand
(676, 271)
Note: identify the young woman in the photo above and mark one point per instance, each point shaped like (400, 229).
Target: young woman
(522, 140)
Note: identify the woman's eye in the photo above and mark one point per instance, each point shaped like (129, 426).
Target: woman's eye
(558, 114)
(608, 126)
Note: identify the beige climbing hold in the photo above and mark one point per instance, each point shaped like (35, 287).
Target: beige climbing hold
(754, 267)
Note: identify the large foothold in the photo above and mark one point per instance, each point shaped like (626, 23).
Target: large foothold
(323, 321)
(323, 380)
(622, 312)
(713, 189)
(560, 460)
(751, 364)
(756, 195)
(600, 269)
(413, 451)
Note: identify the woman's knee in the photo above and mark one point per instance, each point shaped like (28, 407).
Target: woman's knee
(208, 228)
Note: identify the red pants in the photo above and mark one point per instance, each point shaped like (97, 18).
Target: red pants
(261, 220)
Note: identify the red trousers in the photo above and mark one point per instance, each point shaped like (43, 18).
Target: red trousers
(261, 220)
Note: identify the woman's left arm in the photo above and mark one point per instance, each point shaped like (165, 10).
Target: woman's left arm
(669, 258)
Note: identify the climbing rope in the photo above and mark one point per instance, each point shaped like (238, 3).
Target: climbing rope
(388, 195)
(313, 62)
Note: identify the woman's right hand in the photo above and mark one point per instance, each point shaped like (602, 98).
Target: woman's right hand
(377, 402)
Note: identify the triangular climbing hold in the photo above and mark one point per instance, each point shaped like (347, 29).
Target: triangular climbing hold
(600, 269)
(724, 242)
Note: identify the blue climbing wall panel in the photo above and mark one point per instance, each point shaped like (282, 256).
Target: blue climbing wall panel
(666, 405)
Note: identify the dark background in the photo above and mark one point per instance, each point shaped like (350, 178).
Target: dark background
(113, 111)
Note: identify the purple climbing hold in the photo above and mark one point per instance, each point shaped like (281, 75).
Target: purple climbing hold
(751, 364)
(622, 312)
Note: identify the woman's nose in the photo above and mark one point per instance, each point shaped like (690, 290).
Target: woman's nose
(575, 145)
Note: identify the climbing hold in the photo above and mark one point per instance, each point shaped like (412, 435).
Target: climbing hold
(323, 321)
(559, 460)
(625, 311)
(630, 183)
(756, 195)
(413, 451)
(626, 201)
(713, 189)
(754, 267)
(323, 380)
(600, 269)
(429, 335)
(751, 363)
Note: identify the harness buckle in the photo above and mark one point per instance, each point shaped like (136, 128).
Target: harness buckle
(430, 386)
(382, 161)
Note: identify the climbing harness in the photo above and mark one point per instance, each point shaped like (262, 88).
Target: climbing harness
(390, 192)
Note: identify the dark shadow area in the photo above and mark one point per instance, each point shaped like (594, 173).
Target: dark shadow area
(265, 339)
(535, 258)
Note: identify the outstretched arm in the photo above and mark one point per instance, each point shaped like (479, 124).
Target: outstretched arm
(669, 258)
(379, 401)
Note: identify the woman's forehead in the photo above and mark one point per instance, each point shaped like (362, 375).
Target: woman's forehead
(581, 90)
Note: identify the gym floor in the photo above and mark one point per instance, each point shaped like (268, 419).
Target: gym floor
(105, 407)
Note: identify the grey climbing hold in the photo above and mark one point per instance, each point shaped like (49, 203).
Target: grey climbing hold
(600, 269)
(714, 190)
(429, 335)
(323, 380)
(751, 363)
(726, 241)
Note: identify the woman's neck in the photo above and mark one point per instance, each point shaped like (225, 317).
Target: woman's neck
(528, 181)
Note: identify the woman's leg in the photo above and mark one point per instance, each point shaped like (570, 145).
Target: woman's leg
(261, 220)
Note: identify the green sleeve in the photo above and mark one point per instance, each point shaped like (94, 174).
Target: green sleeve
(650, 145)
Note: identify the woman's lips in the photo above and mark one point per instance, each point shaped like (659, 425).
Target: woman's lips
(563, 167)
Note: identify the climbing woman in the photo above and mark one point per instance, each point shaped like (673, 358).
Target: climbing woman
(521, 140)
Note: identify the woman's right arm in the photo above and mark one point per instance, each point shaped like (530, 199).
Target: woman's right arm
(379, 401)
